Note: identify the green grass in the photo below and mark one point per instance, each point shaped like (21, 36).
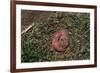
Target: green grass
(35, 43)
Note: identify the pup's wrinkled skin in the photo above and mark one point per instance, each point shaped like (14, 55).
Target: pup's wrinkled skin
(60, 40)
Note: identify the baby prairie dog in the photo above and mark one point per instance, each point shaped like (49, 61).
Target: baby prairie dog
(60, 40)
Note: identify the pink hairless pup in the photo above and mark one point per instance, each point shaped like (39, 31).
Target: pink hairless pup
(60, 40)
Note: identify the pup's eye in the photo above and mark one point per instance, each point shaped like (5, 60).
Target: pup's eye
(58, 39)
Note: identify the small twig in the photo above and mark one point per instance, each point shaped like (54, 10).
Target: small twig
(24, 31)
